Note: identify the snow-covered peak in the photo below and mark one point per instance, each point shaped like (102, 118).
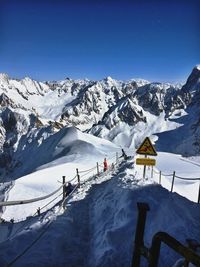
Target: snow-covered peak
(140, 82)
(3, 78)
(197, 67)
(108, 78)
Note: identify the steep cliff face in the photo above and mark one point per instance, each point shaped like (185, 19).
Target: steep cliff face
(193, 82)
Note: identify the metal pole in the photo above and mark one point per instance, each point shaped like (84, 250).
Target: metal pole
(160, 177)
(139, 234)
(63, 182)
(173, 181)
(171, 242)
(144, 171)
(199, 194)
(116, 157)
(78, 177)
(97, 168)
(152, 172)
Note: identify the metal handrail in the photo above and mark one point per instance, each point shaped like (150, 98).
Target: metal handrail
(171, 242)
(152, 254)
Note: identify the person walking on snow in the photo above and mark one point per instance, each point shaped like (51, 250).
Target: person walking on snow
(68, 189)
(105, 165)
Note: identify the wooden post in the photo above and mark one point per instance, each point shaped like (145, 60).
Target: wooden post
(63, 182)
(160, 177)
(151, 171)
(97, 168)
(173, 181)
(78, 177)
(199, 194)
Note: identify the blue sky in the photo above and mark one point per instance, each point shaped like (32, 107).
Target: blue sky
(51, 40)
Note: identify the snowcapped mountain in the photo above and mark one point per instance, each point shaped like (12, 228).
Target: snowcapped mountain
(50, 129)
(123, 112)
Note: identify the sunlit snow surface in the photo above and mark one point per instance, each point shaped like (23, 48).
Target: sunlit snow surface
(97, 227)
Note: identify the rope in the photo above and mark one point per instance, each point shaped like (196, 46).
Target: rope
(85, 174)
(49, 223)
(71, 179)
(179, 177)
(89, 170)
(17, 202)
(41, 198)
(26, 222)
(167, 174)
(31, 244)
(20, 202)
(156, 172)
(188, 179)
(51, 201)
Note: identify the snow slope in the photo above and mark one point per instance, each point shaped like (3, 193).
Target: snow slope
(98, 226)
(59, 155)
(167, 163)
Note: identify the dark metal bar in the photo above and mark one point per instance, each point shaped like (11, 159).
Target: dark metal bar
(97, 168)
(139, 234)
(173, 181)
(160, 177)
(199, 194)
(144, 171)
(152, 172)
(63, 187)
(185, 252)
(78, 177)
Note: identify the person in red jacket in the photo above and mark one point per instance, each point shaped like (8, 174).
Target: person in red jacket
(105, 165)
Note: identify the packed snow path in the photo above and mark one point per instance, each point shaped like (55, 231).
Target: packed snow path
(98, 226)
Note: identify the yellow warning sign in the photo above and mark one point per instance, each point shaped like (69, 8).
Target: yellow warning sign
(146, 161)
(146, 148)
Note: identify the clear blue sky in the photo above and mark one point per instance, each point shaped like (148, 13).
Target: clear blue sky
(50, 40)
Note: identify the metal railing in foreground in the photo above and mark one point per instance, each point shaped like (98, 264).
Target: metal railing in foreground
(152, 254)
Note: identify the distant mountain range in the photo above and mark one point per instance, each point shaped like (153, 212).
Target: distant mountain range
(121, 111)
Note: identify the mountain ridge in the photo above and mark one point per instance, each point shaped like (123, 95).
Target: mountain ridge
(123, 112)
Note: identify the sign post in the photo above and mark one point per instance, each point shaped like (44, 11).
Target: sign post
(146, 148)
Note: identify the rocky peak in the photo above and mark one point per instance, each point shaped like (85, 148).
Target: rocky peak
(193, 81)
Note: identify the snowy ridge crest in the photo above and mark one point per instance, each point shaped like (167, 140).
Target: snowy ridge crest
(121, 111)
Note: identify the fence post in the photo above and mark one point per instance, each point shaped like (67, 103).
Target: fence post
(116, 157)
(199, 194)
(78, 177)
(139, 233)
(152, 172)
(173, 181)
(63, 182)
(160, 177)
(38, 211)
(97, 168)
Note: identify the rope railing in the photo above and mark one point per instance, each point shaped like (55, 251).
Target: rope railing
(36, 213)
(49, 222)
(155, 172)
(188, 179)
(46, 227)
(89, 170)
(28, 201)
(173, 175)
(21, 202)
